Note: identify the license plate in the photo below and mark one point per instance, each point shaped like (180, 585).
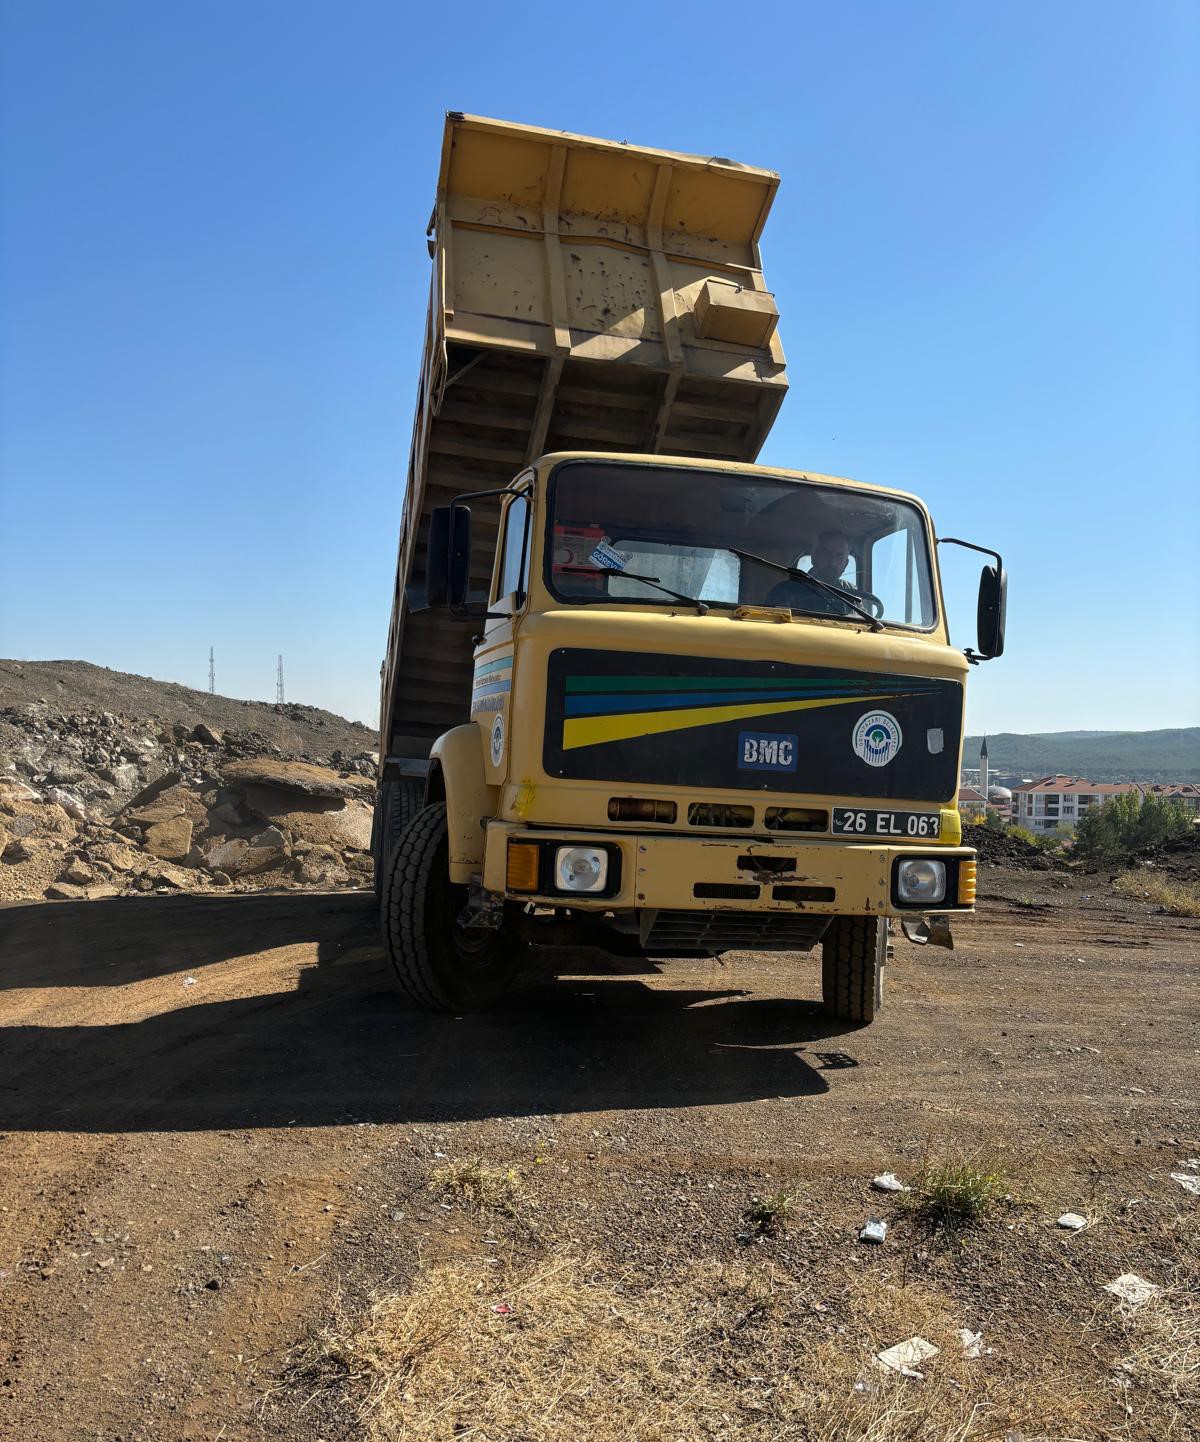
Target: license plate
(911, 825)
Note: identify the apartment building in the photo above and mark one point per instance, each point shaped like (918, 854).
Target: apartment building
(1061, 800)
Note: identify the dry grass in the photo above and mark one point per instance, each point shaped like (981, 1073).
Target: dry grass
(1164, 1337)
(1178, 898)
(718, 1352)
(479, 1186)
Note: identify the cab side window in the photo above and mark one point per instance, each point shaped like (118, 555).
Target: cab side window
(514, 549)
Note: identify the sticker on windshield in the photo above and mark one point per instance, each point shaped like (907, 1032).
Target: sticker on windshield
(608, 558)
(877, 737)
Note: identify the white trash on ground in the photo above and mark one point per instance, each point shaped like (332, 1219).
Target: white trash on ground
(1131, 1288)
(874, 1231)
(1188, 1182)
(905, 1356)
(972, 1342)
(888, 1182)
(1072, 1222)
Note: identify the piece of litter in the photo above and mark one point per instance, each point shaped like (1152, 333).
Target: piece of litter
(904, 1356)
(439, 1156)
(1131, 1288)
(1018, 943)
(503, 1309)
(1072, 1221)
(189, 981)
(972, 1342)
(874, 1231)
(1188, 1182)
(888, 1182)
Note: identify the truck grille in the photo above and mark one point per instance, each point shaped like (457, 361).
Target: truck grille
(716, 931)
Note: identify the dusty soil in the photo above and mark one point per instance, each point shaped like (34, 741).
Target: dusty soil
(219, 1126)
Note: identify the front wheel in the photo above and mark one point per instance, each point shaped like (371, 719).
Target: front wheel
(853, 955)
(439, 964)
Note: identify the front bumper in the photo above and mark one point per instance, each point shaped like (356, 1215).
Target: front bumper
(692, 873)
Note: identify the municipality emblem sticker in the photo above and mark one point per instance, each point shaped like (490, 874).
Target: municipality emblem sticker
(877, 737)
(498, 739)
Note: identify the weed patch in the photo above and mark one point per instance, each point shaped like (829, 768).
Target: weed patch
(1178, 898)
(479, 1186)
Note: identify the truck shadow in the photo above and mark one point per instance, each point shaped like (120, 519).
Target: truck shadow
(337, 1047)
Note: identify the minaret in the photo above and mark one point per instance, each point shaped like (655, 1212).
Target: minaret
(983, 770)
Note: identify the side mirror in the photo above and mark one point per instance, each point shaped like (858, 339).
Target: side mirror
(989, 616)
(448, 556)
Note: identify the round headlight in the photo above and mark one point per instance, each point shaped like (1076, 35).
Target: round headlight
(921, 880)
(580, 868)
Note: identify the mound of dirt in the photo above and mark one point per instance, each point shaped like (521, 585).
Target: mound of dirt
(1000, 848)
(1179, 858)
(102, 802)
(78, 686)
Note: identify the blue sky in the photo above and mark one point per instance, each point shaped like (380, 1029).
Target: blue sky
(214, 275)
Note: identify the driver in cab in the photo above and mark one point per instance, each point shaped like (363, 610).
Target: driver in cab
(830, 557)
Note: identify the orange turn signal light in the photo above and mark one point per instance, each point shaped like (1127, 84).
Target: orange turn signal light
(966, 883)
(521, 873)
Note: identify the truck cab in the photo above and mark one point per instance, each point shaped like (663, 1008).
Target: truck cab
(714, 707)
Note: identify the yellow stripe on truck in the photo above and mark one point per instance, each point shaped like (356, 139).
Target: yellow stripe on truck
(592, 730)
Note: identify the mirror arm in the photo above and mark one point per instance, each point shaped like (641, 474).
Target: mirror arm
(970, 546)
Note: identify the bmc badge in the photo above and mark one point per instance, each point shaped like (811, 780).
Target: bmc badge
(877, 737)
(498, 739)
(766, 751)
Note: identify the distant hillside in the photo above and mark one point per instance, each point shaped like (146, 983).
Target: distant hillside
(1098, 755)
(70, 686)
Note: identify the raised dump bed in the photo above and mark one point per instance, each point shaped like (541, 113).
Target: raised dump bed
(586, 295)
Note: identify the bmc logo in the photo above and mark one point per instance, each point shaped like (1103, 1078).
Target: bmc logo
(766, 751)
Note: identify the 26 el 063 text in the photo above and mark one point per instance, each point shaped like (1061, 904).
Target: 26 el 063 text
(919, 825)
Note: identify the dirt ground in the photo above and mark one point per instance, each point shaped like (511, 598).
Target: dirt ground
(218, 1128)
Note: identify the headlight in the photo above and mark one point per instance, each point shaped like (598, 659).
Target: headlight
(921, 881)
(580, 868)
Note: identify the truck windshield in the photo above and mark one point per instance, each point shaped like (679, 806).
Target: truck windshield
(685, 529)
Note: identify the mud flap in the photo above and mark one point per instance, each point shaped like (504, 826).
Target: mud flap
(929, 930)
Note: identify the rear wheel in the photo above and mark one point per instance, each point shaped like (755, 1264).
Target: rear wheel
(395, 806)
(853, 955)
(440, 964)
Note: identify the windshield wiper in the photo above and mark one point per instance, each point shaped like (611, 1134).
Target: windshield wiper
(701, 607)
(798, 575)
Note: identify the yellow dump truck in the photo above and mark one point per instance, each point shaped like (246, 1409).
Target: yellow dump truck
(639, 692)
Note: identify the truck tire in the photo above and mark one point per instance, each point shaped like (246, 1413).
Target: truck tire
(439, 965)
(395, 806)
(853, 955)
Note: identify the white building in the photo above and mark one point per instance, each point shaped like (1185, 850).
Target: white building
(1061, 800)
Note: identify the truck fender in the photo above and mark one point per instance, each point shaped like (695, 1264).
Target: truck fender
(456, 777)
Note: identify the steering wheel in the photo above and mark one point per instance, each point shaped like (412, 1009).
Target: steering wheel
(872, 602)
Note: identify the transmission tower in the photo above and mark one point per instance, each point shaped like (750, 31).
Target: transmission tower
(212, 673)
(279, 682)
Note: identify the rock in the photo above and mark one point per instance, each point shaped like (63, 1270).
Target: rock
(205, 734)
(69, 802)
(171, 839)
(63, 891)
(155, 788)
(12, 788)
(17, 850)
(5, 838)
(124, 776)
(227, 813)
(220, 878)
(226, 856)
(298, 777)
(67, 773)
(271, 839)
(79, 872)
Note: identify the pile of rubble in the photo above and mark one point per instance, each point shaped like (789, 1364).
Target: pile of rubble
(95, 805)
